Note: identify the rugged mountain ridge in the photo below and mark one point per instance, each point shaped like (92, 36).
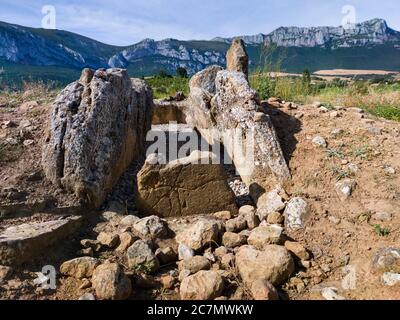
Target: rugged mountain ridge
(26, 48)
(43, 47)
(372, 32)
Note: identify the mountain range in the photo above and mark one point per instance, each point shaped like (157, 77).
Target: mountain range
(59, 55)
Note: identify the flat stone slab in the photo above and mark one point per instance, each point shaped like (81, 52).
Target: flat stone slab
(27, 241)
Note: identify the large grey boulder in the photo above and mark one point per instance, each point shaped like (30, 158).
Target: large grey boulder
(236, 110)
(229, 113)
(98, 126)
(224, 109)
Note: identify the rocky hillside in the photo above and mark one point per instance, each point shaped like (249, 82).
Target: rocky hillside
(372, 32)
(369, 45)
(40, 47)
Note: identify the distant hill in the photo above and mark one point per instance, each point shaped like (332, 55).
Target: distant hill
(29, 53)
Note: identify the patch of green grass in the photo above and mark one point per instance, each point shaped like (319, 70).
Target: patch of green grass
(381, 231)
(386, 111)
(334, 153)
(341, 174)
(164, 87)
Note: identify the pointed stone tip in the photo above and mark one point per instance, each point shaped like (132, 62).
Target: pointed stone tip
(237, 58)
(86, 76)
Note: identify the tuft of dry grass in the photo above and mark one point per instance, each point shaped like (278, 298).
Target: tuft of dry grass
(31, 91)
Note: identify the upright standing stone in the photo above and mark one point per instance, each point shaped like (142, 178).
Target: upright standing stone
(98, 126)
(237, 58)
(235, 108)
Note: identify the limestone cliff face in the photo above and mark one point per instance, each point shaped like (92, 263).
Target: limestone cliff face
(170, 52)
(372, 32)
(56, 48)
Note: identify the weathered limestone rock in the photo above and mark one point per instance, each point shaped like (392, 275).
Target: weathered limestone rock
(166, 255)
(79, 267)
(126, 240)
(185, 252)
(27, 241)
(108, 239)
(268, 203)
(236, 225)
(273, 264)
(237, 58)
(184, 187)
(196, 264)
(129, 221)
(297, 249)
(223, 215)
(222, 107)
(228, 261)
(233, 240)
(344, 188)
(296, 213)
(141, 257)
(205, 79)
(165, 112)
(198, 112)
(263, 236)
(331, 293)
(111, 283)
(249, 214)
(204, 285)
(263, 290)
(387, 259)
(390, 279)
(98, 126)
(235, 108)
(275, 218)
(151, 227)
(202, 233)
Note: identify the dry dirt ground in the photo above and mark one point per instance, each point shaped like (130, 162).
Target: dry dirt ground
(343, 236)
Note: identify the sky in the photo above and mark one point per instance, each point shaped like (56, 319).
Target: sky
(126, 22)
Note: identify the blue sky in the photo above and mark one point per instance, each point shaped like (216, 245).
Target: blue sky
(126, 22)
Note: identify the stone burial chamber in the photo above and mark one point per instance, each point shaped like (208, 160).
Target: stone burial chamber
(99, 125)
(221, 104)
(97, 128)
(222, 107)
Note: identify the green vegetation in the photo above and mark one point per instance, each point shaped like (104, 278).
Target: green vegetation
(380, 231)
(182, 72)
(165, 86)
(15, 75)
(341, 174)
(380, 99)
